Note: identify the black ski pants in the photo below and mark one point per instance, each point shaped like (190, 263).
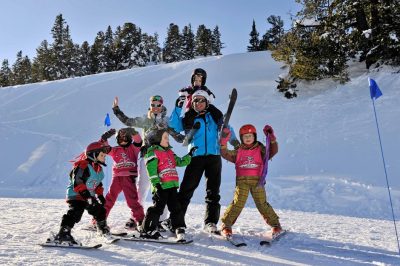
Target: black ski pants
(211, 166)
(163, 197)
(76, 209)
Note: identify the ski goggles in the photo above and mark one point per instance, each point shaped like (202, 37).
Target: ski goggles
(197, 100)
(155, 105)
(156, 98)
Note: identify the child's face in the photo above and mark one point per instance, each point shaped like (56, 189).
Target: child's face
(197, 80)
(165, 140)
(101, 157)
(248, 138)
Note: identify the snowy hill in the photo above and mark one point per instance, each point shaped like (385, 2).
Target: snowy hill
(328, 170)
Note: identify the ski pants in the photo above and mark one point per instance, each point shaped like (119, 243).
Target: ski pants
(211, 166)
(161, 198)
(76, 209)
(143, 186)
(244, 185)
(127, 185)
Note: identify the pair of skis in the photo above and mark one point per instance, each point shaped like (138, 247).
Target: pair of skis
(268, 238)
(232, 100)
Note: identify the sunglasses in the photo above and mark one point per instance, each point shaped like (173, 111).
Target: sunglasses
(155, 105)
(199, 100)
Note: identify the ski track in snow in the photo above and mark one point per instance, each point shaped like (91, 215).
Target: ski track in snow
(313, 239)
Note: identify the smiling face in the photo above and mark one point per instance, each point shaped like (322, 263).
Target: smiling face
(156, 107)
(199, 103)
(197, 80)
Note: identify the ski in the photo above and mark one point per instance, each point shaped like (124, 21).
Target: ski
(93, 229)
(189, 136)
(232, 101)
(68, 245)
(168, 241)
(269, 238)
(231, 239)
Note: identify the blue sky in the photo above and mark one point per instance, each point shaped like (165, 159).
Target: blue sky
(26, 23)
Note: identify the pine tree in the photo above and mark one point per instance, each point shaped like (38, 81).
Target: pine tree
(203, 41)
(216, 44)
(152, 47)
(274, 35)
(22, 70)
(5, 74)
(128, 38)
(84, 59)
(173, 45)
(109, 61)
(254, 40)
(60, 35)
(188, 43)
(42, 63)
(97, 57)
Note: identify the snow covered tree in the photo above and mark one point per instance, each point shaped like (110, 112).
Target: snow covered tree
(254, 40)
(108, 52)
(188, 43)
(5, 74)
(43, 63)
(97, 57)
(126, 40)
(173, 45)
(152, 47)
(203, 41)
(84, 59)
(216, 44)
(22, 70)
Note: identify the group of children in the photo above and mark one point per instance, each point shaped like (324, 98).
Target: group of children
(138, 164)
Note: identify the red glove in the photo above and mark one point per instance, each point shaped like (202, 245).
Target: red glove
(225, 136)
(269, 131)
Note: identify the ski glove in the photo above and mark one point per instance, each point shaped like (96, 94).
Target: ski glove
(269, 131)
(193, 150)
(102, 200)
(85, 194)
(108, 134)
(225, 136)
(179, 102)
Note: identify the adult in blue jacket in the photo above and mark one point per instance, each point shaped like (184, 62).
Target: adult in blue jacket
(206, 159)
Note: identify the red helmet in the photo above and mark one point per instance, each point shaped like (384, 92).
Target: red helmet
(247, 129)
(97, 147)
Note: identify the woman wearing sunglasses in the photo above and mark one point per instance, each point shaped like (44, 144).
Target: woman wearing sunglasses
(155, 118)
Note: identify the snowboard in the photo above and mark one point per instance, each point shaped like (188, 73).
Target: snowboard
(269, 239)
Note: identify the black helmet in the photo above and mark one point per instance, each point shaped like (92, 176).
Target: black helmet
(154, 136)
(202, 72)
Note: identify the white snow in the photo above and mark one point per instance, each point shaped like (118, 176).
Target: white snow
(327, 182)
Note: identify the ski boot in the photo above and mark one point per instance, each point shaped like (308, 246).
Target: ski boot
(211, 228)
(131, 225)
(180, 234)
(226, 231)
(154, 234)
(64, 236)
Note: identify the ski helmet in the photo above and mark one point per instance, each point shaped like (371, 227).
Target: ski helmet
(123, 135)
(93, 149)
(156, 98)
(248, 128)
(201, 72)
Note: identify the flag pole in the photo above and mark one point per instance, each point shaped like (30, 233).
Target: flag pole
(107, 122)
(375, 93)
